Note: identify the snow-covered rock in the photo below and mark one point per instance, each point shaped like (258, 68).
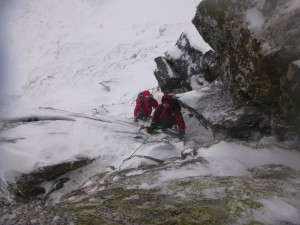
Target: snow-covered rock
(184, 65)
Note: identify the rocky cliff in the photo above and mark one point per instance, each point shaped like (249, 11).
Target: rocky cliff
(258, 44)
(256, 59)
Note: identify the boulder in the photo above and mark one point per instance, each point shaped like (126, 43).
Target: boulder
(168, 80)
(183, 64)
(32, 184)
(258, 43)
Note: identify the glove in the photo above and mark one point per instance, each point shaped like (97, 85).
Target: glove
(181, 136)
(152, 128)
(135, 119)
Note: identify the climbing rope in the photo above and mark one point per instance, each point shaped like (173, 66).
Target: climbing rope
(143, 143)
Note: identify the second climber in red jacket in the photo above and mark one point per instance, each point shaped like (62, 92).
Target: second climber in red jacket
(144, 105)
(167, 115)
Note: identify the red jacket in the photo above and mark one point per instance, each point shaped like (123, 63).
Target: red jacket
(169, 117)
(144, 106)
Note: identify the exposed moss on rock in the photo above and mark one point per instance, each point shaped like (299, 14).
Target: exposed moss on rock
(259, 64)
(193, 200)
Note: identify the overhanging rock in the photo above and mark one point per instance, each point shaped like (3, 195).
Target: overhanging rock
(257, 42)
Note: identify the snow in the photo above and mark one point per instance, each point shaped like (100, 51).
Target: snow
(191, 98)
(171, 73)
(135, 162)
(175, 53)
(55, 35)
(198, 82)
(255, 18)
(277, 209)
(87, 60)
(292, 5)
(297, 63)
(196, 42)
(137, 172)
(232, 159)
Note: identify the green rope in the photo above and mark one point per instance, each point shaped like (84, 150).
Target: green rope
(144, 142)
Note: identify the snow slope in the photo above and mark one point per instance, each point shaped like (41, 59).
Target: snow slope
(61, 51)
(90, 57)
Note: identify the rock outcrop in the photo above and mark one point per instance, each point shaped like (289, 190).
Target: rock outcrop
(184, 63)
(258, 45)
(33, 184)
(128, 197)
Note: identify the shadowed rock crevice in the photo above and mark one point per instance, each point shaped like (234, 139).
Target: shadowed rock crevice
(31, 185)
(29, 119)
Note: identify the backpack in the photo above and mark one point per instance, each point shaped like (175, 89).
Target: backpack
(176, 104)
(140, 96)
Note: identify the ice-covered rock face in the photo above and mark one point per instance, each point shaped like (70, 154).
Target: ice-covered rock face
(258, 44)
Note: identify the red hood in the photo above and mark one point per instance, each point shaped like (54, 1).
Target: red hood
(167, 97)
(146, 93)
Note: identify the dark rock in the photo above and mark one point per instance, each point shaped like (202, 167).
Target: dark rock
(290, 85)
(272, 171)
(29, 189)
(30, 185)
(59, 183)
(257, 57)
(175, 70)
(245, 123)
(29, 119)
(168, 79)
(189, 61)
(193, 62)
(218, 112)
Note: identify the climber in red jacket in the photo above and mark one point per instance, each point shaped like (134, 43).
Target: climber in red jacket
(167, 115)
(144, 104)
